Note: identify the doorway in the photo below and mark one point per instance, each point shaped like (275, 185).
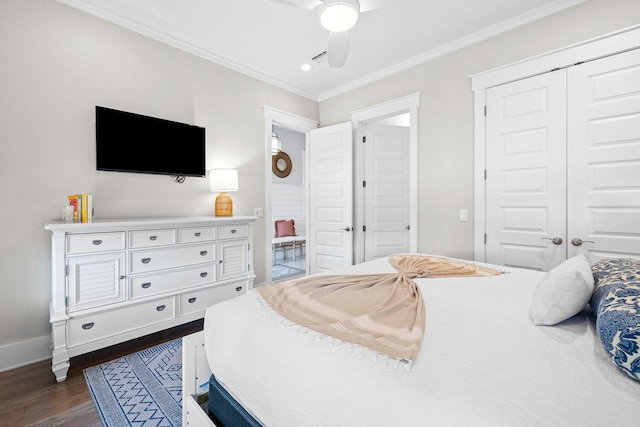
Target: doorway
(386, 187)
(288, 201)
(404, 108)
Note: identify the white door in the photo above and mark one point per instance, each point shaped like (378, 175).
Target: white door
(330, 237)
(525, 172)
(604, 157)
(386, 191)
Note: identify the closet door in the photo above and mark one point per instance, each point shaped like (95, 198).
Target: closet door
(604, 157)
(526, 172)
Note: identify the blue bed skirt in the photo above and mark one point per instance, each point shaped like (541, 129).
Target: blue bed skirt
(225, 411)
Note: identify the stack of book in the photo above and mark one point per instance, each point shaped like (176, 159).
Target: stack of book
(82, 207)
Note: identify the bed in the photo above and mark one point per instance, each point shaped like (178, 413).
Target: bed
(482, 361)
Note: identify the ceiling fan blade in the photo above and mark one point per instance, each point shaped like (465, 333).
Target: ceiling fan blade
(367, 5)
(338, 50)
(303, 4)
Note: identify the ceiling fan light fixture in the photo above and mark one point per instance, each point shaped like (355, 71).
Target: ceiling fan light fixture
(340, 15)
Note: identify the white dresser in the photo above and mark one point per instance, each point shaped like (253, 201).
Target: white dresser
(116, 280)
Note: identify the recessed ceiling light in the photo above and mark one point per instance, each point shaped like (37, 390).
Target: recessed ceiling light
(306, 67)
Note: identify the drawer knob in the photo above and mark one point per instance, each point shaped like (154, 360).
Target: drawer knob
(220, 262)
(146, 285)
(97, 242)
(204, 274)
(203, 253)
(145, 260)
(192, 300)
(87, 326)
(153, 237)
(239, 288)
(233, 231)
(160, 307)
(198, 234)
(122, 277)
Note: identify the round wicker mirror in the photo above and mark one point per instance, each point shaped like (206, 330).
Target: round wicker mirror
(281, 164)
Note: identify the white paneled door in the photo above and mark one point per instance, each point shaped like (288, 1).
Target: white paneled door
(525, 172)
(330, 228)
(563, 165)
(386, 191)
(604, 157)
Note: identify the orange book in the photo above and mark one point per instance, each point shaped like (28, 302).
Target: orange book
(73, 201)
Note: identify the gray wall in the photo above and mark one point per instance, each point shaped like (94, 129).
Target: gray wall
(445, 124)
(293, 145)
(57, 64)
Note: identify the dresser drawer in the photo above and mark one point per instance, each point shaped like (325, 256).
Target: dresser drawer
(85, 329)
(173, 281)
(196, 234)
(197, 300)
(233, 231)
(147, 238)
(95, 242)
(144, 261)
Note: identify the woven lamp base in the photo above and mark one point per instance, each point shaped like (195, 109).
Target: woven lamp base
(224, 205)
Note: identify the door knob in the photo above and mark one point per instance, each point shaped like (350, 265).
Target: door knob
(555, 240)
(576, 241)
(346, 229)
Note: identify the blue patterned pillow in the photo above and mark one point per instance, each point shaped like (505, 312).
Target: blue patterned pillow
(616, 303)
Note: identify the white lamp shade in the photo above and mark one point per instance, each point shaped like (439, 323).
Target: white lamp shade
(340, 15)
(223, 180)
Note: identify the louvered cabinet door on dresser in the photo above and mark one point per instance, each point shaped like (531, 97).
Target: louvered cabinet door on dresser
(113, 281)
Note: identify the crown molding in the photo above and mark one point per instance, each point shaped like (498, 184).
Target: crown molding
(484, 34)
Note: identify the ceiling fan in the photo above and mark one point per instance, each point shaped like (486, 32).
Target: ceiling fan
(337, 17)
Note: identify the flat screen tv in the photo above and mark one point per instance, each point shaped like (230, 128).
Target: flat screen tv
(129, 142)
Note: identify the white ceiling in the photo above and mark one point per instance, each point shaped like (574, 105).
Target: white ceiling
(269, 40)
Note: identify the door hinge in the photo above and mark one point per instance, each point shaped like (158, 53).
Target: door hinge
(364, 184)
(485, 174)
(66, 270)
(364, 139)
(485, 111)
(66, 301)
(485, 238)
(249, 247)
(364, 228)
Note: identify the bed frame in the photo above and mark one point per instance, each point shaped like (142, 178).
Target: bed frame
(195, 381)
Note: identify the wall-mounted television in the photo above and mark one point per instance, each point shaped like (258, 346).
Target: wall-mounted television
(129, 142)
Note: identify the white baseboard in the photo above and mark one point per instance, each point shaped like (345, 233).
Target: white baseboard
(24, 353)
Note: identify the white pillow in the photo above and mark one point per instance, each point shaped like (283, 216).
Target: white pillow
(563, 292)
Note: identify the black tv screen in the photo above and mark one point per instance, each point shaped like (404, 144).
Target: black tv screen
(129, 142)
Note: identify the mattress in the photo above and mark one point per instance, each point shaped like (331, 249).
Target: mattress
(482, 363)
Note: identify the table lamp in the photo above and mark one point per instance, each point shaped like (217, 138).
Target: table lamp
(222, 181)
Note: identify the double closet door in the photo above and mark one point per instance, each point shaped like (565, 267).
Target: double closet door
(563, 165)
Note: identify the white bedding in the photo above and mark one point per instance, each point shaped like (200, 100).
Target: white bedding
(482, 363)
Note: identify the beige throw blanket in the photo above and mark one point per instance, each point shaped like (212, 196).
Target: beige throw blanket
(382, 312)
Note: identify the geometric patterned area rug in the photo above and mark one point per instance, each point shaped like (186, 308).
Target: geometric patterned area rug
(141, 389)
(280, 272)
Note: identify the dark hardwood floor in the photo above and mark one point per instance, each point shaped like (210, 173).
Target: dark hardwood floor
(30, 395)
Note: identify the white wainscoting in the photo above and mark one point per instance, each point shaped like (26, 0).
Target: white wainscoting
(287, 202)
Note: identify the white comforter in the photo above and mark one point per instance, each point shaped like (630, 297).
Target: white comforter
(482, 363)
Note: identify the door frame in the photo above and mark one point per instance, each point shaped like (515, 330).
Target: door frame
(281, 118)
(588, 50)
(359, 119)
